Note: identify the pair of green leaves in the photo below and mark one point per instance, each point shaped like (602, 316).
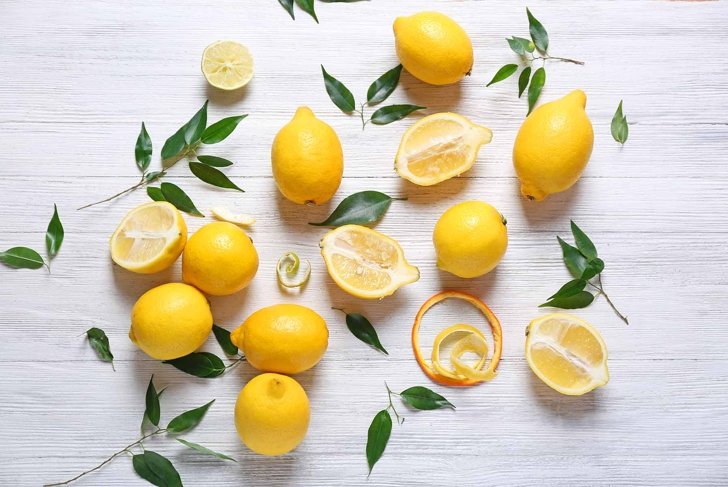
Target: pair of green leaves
(308, 6)
(620, 129)
(378, 91)
(207, 365)
(524, 48)
(362, 328)
(27, 258)
(359, 209)
(100, 344)
(189, 137)
(174, 194)
(380, 429)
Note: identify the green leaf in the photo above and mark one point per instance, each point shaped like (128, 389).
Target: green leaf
(574, 260)
(22, 258)
(288, 5)
(538, 33)
(155, 193)
(100, 344)
(424, 399)
(212, 176)
(339, 94)
(520, 46)
(358, 209)
(534, 89)
(620, 129)
(214, 161)
(503, 73)
(153, 409)
(173, 146)
(196, 126)
(583, 243)
(523, 80)
(154, 175)
(204, 450)
(378, 436)
(593, 267)
(218, 131)
(156, 469)
(189, 419)
(223, 338)
(392, 113)
(307, 6)
(572, 287)
(361, 327)
(143, 149)
(200, 364)
(54, 234)
(577, 301)
(179, 199)
(384, 86)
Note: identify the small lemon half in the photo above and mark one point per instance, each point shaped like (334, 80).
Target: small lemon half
(439, 147)
(149, 238)
(366, 263)
(567, 353)
(227, 65)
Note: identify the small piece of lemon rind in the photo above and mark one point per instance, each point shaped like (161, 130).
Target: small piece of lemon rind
(224, 214)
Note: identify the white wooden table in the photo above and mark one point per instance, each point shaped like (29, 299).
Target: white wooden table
(79, 77)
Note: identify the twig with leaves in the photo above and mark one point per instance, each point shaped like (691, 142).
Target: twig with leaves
(417, 397)
(27, 258)
(378, 91)
(308, 6)
(526, 48)
(584, 265)
(183, 144)
(149, 465)
(207, 365)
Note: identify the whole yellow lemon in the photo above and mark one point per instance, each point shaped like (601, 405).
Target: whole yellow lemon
(170, 321)
(284, 338)
(219, 259)
(470, 239)
(433, 47)
(553, 146)
(307, 159)
(272, 414)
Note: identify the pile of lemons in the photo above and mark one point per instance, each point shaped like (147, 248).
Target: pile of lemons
(272, 414)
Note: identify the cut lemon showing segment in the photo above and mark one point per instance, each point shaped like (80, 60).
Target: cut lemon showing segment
(366, 263)
(149, 238)
(227, 65)
(439, 147)
(567, 353)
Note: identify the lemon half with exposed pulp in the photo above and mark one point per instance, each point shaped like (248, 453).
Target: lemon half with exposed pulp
(227, 65)
(567, 353)
(439, 147)
(149, 238)
(366, 263)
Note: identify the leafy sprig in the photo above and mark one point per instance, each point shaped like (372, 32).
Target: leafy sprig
(184, 143)
(149, 465)
(308, 6)
(378, 91)
(27, 258)
(380, 429)
(584, 265)
(207, 365)
(620, 129)
(530, 50)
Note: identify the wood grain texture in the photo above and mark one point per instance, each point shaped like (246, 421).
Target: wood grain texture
(79, 77)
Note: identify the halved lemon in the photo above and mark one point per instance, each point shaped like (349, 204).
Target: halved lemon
(366, 263)
(149, 238)
(567, 353)
(439, 147)
(227, 65)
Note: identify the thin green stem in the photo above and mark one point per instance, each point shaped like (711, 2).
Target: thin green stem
(606, 296)
(361, 114)
(339, 309)
(400, 420)
(141, 183)
(236, 362)
(126, 449)
(556, 58)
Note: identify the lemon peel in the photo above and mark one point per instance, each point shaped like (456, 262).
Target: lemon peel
(287, 270)
(226, 215)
